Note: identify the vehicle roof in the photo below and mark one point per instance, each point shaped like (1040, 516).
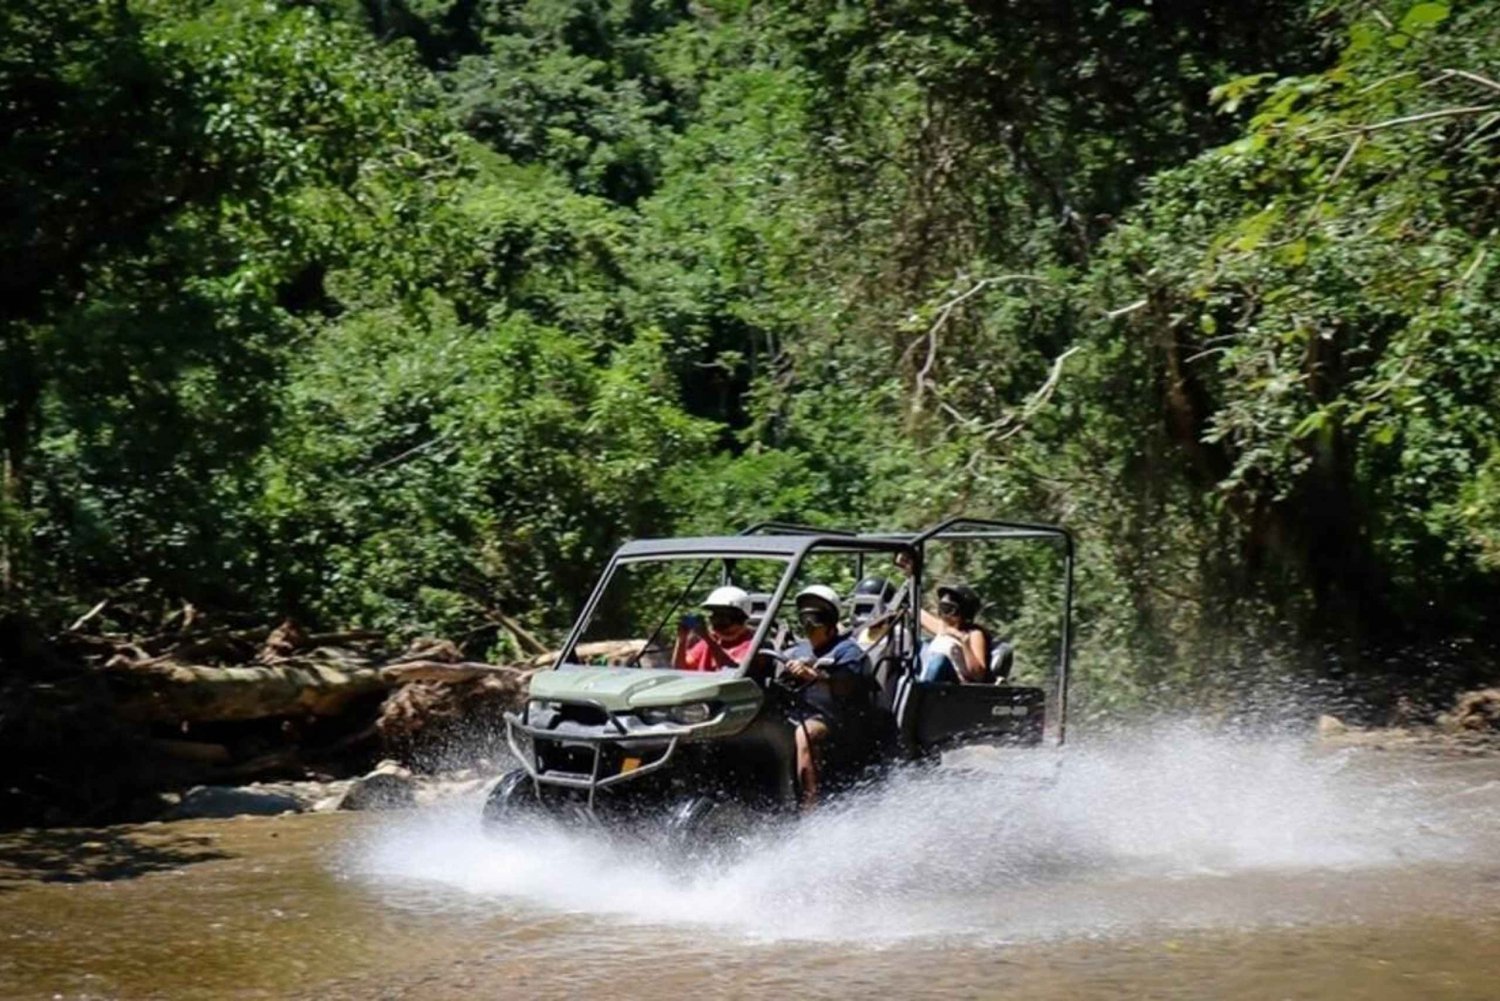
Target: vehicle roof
(768, 546)
(790, 544)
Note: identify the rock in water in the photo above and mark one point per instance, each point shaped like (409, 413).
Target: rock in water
(388, 787)
(206, 802)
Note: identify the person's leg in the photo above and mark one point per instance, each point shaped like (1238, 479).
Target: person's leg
(938, 661)
(810, 734)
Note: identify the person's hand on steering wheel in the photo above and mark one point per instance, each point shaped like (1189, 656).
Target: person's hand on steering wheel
(802, 671)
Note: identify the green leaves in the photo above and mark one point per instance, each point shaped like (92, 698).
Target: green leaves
(1423, 16)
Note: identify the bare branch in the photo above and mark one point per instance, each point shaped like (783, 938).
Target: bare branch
(1473, 77)
(1426, 116)
(1125, 310)
(414, 450)
(88, 616)
(1474, 266)
(944, 312)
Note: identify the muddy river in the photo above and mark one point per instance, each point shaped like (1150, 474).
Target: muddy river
(1179, 865)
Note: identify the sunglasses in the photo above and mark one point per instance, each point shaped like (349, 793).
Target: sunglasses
(811, 620)
(947, 608)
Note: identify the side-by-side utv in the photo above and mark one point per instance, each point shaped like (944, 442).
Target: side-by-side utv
(615, 734)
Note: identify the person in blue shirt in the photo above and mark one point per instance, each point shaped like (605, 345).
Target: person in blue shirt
(834, 673)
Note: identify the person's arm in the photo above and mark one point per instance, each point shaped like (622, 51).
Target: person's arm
(722, 657)
(848, 659)
(977, 654)
(679, 649)
(933, 624)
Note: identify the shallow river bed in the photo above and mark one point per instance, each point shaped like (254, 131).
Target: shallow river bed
(1183, 865)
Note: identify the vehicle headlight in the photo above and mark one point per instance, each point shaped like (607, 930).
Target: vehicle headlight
(689, 714)
(693, 712)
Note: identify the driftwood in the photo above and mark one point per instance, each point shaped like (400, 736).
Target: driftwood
(616, 652)
(156, 692)
(409, 671)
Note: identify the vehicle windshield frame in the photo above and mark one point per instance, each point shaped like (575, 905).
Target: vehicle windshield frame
(792, 550)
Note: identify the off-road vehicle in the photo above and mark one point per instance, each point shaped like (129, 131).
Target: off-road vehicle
(613, 733)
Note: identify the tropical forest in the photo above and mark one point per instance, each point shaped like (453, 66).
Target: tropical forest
(396, 317)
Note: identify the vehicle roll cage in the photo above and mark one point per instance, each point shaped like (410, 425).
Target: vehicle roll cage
(792, 543)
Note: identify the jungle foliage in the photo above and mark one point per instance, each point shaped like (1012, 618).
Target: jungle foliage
(402, 313)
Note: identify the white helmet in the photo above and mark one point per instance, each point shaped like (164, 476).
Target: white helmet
(731, 597)
(821, 594)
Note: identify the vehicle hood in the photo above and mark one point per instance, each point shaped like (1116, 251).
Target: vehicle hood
(622, 688)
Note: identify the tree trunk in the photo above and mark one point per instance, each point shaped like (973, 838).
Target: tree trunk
(15, 438)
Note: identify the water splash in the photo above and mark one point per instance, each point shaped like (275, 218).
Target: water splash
(1125, 829)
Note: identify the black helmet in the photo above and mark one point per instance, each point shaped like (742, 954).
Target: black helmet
(879, 586)
(964, 598)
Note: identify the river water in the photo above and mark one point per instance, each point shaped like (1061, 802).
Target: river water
(1174, 864)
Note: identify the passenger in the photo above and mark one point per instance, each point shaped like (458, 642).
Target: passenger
(959, 651)
(727, 638)
(837, 694)
(876, 620)
(869, 606)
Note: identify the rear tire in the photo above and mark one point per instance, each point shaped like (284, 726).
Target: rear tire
(513, 798)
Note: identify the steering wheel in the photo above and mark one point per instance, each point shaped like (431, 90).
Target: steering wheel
(778, 676)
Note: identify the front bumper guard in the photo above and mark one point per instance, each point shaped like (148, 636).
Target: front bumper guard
(593, 781)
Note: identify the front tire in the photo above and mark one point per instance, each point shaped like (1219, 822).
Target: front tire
(512, 799)
(699, 822)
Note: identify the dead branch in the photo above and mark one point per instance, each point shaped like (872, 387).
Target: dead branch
(1473, 77)
(526, 638)
(437, 670)
(944, 312)
(1041, 396)
(1115, 314)
(1425, 116)
(88, 616)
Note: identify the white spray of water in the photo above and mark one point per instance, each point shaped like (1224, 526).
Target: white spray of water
(992, 853)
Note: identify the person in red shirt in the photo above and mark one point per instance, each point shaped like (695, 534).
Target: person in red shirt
(725, 642)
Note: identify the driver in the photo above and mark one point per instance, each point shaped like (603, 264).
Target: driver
(834, 670)
(726, 640)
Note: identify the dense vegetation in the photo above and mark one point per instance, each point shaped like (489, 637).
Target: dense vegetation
(403, 312)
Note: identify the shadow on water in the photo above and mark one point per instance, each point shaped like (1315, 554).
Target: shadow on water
(85, 856)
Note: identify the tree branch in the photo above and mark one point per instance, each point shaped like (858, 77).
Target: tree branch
(944, 312)
(1425, 116)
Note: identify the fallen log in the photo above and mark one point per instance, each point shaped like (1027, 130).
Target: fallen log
(409, 671)
(611, 652)
(156, 692)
